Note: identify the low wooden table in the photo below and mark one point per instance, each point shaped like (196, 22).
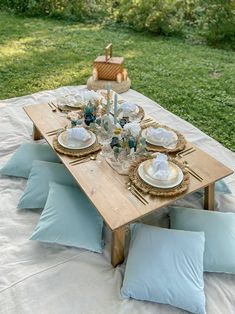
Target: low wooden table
(107, 189)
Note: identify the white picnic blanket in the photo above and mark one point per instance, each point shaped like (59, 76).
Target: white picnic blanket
(42, 278)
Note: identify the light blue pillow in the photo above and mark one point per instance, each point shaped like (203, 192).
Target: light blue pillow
(69, 218)
(220, 186)
(165, 266)
(20, 163)
(219, 229)
(43, 172)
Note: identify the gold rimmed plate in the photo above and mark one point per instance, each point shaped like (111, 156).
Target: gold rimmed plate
(70, 143)
(147, 174)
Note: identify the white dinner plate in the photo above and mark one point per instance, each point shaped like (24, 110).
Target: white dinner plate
(73, 143)
(175, 179)
(155, 142)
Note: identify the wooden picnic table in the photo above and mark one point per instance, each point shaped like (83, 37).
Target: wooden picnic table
(107, 189)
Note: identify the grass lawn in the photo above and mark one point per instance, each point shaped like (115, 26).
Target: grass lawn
(193, 81)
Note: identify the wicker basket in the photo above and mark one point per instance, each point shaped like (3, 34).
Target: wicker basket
(108, 67)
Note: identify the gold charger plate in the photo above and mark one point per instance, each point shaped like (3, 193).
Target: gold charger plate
(146, 173)
(181, 143)
(64, 141)
(155, 191)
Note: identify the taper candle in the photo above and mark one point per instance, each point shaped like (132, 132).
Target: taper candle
(125, 74)
(115, 108)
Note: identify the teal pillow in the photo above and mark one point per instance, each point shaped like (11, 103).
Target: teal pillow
(220, 186)
(43, 172)
(165, 266)
(219, 229)
(20, 163)
(69, 218)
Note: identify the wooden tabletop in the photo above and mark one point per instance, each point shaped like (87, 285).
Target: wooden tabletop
(106, 188)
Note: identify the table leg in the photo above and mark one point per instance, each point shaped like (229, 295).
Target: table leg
(209, 197)
(36, 134)
(117, 246)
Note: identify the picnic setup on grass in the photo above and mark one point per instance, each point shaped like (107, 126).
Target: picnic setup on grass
(112, 204)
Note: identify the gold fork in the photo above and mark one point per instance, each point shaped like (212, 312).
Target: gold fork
(53, 132)
(53, 108)
(185, 152)
(146, 120)
(83, 159)
(193, 173)
(137, 193)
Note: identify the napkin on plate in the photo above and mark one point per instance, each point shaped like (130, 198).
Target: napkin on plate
(79, 134)
(90, 96)
(128, 108)
(162, 136)
(161, 167)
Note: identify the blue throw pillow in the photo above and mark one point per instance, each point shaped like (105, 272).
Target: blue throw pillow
(165, 266)
(20, 163)
(219, 229)
(43, 172)
(220, 186)
(69, 218)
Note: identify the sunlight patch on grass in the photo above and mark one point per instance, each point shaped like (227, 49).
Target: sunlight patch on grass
(40, 54)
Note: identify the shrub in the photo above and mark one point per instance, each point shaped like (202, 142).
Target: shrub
(159, 16)
(81, 9)
(212, 19)
(217, 20)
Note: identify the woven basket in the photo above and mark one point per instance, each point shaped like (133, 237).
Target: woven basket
(108, 67)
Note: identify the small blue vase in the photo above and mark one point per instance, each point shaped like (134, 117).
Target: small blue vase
(89, 118)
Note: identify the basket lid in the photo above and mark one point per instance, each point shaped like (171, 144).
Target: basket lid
(113, 60)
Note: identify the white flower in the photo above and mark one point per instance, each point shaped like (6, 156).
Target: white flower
(134, 128)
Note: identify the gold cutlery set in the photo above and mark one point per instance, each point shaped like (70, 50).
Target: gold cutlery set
(83, 159)
(53, 107)
(54, 132)
(147, 122)
(186, 164)
(136, 193)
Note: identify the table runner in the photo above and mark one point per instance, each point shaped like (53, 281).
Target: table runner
(40, 278)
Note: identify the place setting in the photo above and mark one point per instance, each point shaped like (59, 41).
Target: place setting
(78, 143)
(159, 175)
(76, 101)
(161, 138)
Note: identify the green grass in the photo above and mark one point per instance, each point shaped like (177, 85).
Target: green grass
(195, 82)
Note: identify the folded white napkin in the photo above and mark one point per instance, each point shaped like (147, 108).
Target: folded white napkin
(163, 137)
(79, 134)
(90, 96)
(73, 100)
(128, 108)
(161, 167)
